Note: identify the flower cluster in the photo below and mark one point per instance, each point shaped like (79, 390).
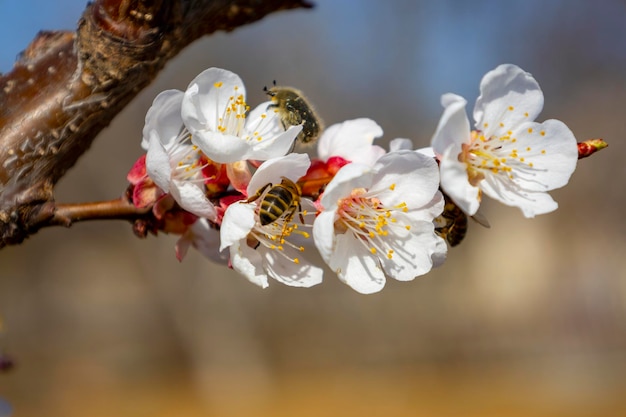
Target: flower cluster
(225, 177)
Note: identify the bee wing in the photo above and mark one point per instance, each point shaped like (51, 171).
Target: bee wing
(480, 218)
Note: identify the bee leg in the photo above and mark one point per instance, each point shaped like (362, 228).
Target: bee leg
(300, 214)
(258, 193)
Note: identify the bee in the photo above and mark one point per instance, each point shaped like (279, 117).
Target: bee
(278, 201)
(294, 110)
(452, 223)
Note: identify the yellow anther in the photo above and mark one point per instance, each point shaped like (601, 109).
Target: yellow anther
(530, 130)
(392, 187)
(408, 227)
(526, 114)
(301, 248)
(543, 152)
(542, 133)
(218, 84)
(373, 250)
(306, 235)
(511, 108)
(296, 260)
(528, 149)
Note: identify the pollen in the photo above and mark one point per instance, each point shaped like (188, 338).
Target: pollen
(530, 130)
(542, 133)
(511, 108)
(501, 124)
(543, 151)
(218, 84)
(392, 187)
(525, 114)
(528, 149)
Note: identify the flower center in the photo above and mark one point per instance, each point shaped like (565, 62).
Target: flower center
(366, 217)
(233, 119)
(187, 159)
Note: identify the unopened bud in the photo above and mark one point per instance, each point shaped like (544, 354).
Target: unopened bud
(590, 147)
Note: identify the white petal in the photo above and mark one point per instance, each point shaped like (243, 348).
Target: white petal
(324, 234)
(429, 211)
(440, 253)
(248, 262)
(453, 128)
(553, 155)
(348, 178)
(273, 147)
(220, 147)
(267, 124)
(508, 96)
(158, 162)
(292, 166)
(205, 239)
(356, 266)
(531, 203)
(351, 140)
(164, 118)
(207, 98)
(303, 274)
(191, 197)
(401, 144)
(406, 177)
(237, 223)
(430, 152)
(413, 252)
(455, 183)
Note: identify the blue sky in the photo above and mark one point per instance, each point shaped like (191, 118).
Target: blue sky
(421, 47)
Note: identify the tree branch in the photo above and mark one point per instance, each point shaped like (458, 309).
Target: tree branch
(66, 87)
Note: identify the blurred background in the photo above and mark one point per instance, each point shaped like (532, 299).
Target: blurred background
(525, 319)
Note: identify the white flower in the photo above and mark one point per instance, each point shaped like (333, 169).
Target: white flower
(278, 249)
(509, 157)
(352, 140)
(214, 110)
(172, 162)
(378, 221)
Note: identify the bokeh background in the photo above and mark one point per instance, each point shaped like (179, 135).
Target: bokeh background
(525, 319)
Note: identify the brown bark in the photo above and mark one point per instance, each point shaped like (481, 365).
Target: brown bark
(66, 87)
